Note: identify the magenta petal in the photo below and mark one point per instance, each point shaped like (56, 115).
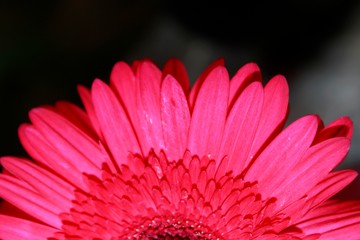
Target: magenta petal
(209, 115)
(334, 220)
(76, 116)
(149, 126)
(69, 141)
(330, 185)
(123, 83)
(85, 96)
(12, 228)
(47, 184)
(274, 113)
(111, 117)
(284, 151)
(198, 83)
(21, 195)
(175, 117)
(248, 73)
(176, 68)
(241, 126)
(341, 127)
(43, 152)
(318, 161)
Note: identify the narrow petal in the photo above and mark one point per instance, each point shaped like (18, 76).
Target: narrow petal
(76, 116)
(274, 113)
(241, 126)
(46, 183)
(332, 184)
(318, 161)
(69, 141)
(176, 68)
(248, 73)
(85, 96)
(208, 119)
(334, 220)
(149, 128)
(12, 228)
(115, 126)
(341, 127)
(30, 201)
(123, 83)
(196, 88)
(284, 151)
(40, 150)
(175, 117)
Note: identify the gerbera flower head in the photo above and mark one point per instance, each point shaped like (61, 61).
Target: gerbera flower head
(149, 157)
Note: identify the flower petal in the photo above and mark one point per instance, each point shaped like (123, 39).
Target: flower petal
(46, 183)
(29, 200)
(115, 126)
(85, 96)
(176, 68)
(282, 153)
(69, 141)
(274, 113)
(208, 119)
(334, 220)
(318, 161)
(241, 126)
(12, 228)
(76, 116)
(40, 150)
(198, 83)
(149, 128)
(123, 82)
(341, 127)
(248, 73)
(175, 117)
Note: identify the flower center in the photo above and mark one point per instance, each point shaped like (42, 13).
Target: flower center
(154, 198)
(171, 228)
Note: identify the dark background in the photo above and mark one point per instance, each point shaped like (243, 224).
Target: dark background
(47, 48)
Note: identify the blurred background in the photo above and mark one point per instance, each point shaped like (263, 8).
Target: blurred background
(47, 49)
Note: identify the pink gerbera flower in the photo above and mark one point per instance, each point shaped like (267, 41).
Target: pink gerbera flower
(150, 158)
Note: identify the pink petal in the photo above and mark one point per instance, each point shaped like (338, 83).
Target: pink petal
(115, 126)
(341, 127)
(175, 117)
(274, 113)
(196, 88)
(12, 228)
(123, 83)
(85, 96)
(248, 73)
(241, 126)
(334, 220)
(276, 161)
(208, 119)
(318, 161)
(69, 141)
(47, 184)
(40, 150)
(332, 184)
(176, 68)
(29, 200)
(76, 116)
(149, 127)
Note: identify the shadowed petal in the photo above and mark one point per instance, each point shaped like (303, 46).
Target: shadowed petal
(12, 228)
(114, 124)
(209, 115)
(282, 153)
(241, 126)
